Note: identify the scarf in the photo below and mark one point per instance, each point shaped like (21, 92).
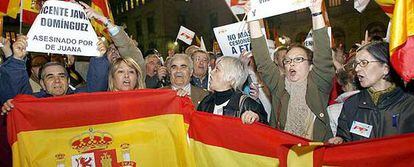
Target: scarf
(300, 118)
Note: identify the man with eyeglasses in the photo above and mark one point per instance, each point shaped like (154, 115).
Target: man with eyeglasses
(200, 74)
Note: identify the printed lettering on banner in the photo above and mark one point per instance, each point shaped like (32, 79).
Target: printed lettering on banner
(62, 28)
(185, 35)
(265, 8)
(233, 38)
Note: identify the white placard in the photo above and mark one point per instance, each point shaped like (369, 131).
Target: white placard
(236, 6)
(63, 28)
(265, 8)
(185, 35)
(233, 38)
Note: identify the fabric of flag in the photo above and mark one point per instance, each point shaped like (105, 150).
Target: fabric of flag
(402, 39)
(31, 9)
(102, 7)
(185, 35)
(144, 128)
(387, 6)
(9, 7)
(158, 128)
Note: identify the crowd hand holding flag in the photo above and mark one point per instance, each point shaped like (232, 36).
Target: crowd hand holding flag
(249, 117)
(182, 93)
(6, 48)
(92, 14)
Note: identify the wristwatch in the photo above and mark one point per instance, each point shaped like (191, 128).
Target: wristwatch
(316, 14)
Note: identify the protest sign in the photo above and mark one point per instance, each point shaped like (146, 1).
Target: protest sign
(266, 8)
(63, 28)
(233, 38)
(236, 6)
(185, 35)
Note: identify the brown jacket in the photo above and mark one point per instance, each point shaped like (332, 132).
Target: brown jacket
(318, 87)
(127, 49)
(197, 94)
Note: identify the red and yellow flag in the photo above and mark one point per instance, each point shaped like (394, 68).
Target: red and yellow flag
(31, 9)
(145, 128)
(102, 7)
(9, 7)
(401, 41)
(157, 128)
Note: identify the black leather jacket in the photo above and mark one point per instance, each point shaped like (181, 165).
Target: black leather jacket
(232, 107)
(393, 115)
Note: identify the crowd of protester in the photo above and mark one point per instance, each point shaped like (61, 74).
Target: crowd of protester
(290, 93)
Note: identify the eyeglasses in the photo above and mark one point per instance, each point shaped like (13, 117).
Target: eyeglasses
(297, 60)
(362, 63)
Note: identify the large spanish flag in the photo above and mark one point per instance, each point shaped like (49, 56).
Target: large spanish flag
(145, 128)
(401, 35)
(157, 128)
(9, 7)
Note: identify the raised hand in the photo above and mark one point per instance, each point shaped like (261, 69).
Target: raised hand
(101, 47)
(315, 6)
(92, 14)
(19, 47)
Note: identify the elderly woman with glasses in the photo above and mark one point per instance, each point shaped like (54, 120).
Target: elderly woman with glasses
(300, 96)
(382, 108)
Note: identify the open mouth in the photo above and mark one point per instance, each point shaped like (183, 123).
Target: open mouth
(126, 83)
(360, 77)
(292, 72)
(179, 74)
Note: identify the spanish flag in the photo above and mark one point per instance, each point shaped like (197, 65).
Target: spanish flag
(145, 128)
(157, 128)
(9, 7)
(401, 35)
(31, 9)
(102, 7)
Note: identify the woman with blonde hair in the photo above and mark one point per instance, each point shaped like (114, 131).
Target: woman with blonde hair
(125, 74)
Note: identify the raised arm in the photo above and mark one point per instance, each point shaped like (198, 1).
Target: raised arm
(323, 71)
(14, 79)
(265, 66)
(126, 46)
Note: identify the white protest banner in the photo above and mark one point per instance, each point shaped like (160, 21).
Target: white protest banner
(233, 38)
(185, 35)
(236, 6)
(265, 8)
(63, 28)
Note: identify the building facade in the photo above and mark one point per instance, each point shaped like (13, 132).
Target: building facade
(155, 23)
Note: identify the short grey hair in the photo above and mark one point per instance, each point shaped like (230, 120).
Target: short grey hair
(151, 56)
(234, 71)
(181, 56)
